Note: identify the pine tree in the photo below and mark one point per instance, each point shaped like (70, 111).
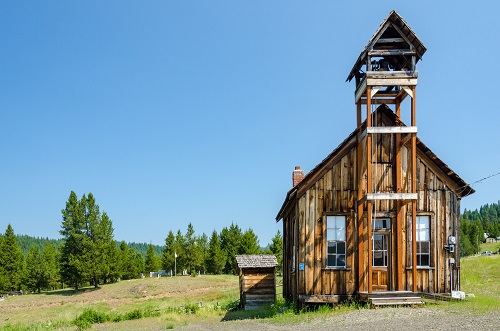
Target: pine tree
(50, 256)
(11, 261)
(152, 261)
(216, 260)
(131, 263)
(72, 247)
(180, 249)
(192, 252)
(276, 248)
(249, 243)
(202, 247)
(168, 255)
(36, 276)
(104, 243)
(230, 244)
(3, 275)
(89, 251)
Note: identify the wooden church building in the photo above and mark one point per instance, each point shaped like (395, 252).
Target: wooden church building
(382, 211)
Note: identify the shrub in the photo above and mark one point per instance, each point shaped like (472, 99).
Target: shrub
(89, 317)
(133, 315)
(191, 308)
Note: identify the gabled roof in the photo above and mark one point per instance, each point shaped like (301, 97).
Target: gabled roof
(394, 26)
(256, 261)
(462, 189)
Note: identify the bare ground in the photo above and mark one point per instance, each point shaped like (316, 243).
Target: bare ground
(369, 319)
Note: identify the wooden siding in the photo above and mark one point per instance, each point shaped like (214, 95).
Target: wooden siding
(257, 286)
(334, 193)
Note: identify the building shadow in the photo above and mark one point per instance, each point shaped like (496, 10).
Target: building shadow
(259, 312)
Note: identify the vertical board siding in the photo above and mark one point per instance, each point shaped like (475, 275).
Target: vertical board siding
(335, 191)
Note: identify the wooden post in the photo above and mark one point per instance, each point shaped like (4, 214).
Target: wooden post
(358, 112)
(399, 205)
(414, 188)
(361, 251)
(369, 185)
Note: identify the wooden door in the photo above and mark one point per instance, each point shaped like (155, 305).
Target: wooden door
(381, 254)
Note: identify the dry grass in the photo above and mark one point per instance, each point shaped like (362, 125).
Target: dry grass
(156, 294)
(171, 298)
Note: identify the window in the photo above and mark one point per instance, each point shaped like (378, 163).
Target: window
(381, 237)
(380, 250)
(335, 239)
(423, 241)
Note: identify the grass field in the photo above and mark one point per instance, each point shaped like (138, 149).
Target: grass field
(169, 303)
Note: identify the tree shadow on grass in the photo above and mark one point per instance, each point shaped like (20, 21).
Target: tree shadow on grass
(238, 313)
(72, 291)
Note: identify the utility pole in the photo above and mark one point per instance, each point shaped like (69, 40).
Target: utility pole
(175, 263)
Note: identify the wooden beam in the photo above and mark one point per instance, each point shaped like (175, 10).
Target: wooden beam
(414, 189)
(391, 196)
(324, 298)
(359, 219)
(399, 205)
(392, 129)
(407, 90)
(390, 40)
(369, 187)
(380, 101)
(391, 52)
(358, 114)
(391, 81)
(360, 91)
(392, 74)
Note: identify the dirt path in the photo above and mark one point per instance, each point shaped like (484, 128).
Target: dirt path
(368, 319)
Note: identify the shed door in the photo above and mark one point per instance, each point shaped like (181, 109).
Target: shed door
(381, 254)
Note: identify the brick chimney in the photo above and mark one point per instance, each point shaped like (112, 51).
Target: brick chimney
(297, 175)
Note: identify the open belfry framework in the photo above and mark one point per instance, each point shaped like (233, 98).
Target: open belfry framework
(385, 73)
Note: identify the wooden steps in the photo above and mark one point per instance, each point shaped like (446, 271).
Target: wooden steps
(392, 299)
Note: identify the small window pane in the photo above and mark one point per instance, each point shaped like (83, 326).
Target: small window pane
(378, 259)
(339, 221)
(424, 260)
(340, 234)
(341, 247)
(330, 234)
(340, 260)
(331, 260)
(424, 247)
(332, 247)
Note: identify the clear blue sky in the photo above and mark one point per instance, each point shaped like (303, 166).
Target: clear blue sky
(172, 112)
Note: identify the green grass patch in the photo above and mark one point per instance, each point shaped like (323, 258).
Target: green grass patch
(480, 277)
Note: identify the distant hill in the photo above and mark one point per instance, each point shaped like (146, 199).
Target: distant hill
(26, 242)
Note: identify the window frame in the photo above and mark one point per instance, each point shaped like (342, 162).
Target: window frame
(385, 232)
(426, 230)
(338, 240)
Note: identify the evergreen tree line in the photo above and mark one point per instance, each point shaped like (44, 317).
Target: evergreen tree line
(477, 225)
(214, 255)
(26, 242)
(87, 253)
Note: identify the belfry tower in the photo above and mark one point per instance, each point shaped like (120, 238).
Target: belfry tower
(385, 73)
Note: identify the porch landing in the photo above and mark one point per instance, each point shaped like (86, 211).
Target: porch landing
(391, 298)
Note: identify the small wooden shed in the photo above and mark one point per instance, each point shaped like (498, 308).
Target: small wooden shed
(257, 280)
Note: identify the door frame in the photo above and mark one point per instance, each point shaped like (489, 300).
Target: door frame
(379, 271)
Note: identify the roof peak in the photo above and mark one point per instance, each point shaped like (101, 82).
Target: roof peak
(395, 35)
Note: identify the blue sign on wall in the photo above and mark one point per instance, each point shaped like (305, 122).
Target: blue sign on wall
(301, 266)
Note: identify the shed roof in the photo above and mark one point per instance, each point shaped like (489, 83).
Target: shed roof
(393, 26)
(256, 261)
(461, 189)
